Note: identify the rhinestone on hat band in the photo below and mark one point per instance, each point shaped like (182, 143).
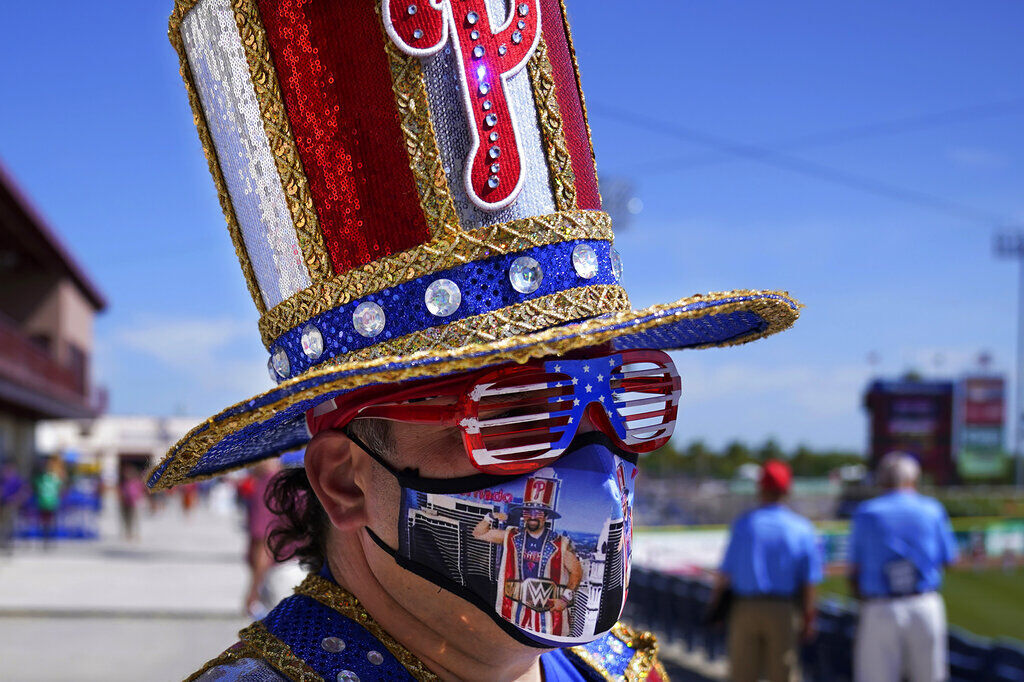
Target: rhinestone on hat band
(443, 297)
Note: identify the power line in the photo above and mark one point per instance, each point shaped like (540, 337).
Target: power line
(909, 124)
(780, 159)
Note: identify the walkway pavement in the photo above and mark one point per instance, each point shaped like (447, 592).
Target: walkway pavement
(155, 609)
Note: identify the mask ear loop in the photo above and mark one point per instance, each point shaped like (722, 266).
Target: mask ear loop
(410, 478)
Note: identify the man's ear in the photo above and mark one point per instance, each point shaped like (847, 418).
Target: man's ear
(333, 463)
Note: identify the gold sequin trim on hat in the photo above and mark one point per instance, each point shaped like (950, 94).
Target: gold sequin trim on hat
(341, 600)
(276, 125)
(552, 310)
(291, 173)
(579, 87)
(420, 139)
(777, 309)
(440, 254)
(181, 8)
(549, 115)
(282, 140)
(645, 648)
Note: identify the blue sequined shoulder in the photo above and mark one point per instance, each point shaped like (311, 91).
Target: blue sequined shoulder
(323, 632)
(302, 638)
(620, 651)
(331, 643)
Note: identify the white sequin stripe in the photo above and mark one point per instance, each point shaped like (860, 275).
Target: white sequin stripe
(224, 84)
(448, 114)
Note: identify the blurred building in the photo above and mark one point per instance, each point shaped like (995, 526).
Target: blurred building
(111, 441)
(47, 306)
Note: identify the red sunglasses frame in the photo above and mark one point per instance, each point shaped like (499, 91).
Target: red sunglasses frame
(390, 402)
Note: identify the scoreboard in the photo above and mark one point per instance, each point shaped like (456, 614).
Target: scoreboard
(914, 417)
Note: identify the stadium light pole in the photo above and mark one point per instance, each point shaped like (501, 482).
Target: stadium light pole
(1010, 244)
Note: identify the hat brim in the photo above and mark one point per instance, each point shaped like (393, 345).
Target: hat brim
(273, 422)
(520, 508)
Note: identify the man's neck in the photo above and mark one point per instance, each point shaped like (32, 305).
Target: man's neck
(450, 646)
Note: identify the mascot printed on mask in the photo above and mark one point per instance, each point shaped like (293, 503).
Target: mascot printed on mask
(540, 571)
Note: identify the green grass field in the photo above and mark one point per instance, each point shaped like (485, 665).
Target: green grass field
(988, 603)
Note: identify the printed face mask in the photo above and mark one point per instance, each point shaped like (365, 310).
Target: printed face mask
(545, 554)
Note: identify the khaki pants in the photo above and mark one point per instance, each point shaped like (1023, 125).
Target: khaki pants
(763, 640)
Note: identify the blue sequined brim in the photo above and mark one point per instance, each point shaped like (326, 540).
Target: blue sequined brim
(273, 422)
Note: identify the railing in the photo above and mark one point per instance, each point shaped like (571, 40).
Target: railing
(27, 365)
(673, 606)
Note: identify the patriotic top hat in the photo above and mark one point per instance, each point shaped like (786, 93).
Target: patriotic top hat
(541, 494)
(411, 191)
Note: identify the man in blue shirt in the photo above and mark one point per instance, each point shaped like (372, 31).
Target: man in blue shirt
(772, 564)
(899, 544)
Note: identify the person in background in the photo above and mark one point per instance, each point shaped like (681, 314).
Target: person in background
(899, 544)
(189, 496)
(130, 491)
(772, 565)
(47, 488)
(259, 521)
(12, 495)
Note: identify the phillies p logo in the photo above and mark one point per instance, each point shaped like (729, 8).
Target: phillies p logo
(487, 58)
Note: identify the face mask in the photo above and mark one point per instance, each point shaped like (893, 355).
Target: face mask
(546, 554)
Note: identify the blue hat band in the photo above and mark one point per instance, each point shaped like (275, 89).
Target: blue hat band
(484, 286)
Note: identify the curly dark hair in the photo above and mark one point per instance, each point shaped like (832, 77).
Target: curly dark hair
(300, 531)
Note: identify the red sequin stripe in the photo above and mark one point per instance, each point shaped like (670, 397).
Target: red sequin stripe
(336, 83)
(554, 30)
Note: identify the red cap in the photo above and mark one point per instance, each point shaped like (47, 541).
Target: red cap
(776, 476)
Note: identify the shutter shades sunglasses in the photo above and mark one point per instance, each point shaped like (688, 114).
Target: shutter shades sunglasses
(519, 418)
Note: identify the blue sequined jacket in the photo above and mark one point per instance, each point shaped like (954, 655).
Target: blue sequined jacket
(322, 633)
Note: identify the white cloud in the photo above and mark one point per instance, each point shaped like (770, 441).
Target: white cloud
(978, 157)
(217, 354)
(184, 342)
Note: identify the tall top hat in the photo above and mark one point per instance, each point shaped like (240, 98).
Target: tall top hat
(411, 191)
(541, 494)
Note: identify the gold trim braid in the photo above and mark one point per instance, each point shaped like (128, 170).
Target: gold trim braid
(776, 309)
(181, 8)
(413, 106)
(235, 652)
(291, 173)
(543, 312)
(579, 88)
(644, 659)
(549, 116)
(440, 254)
(278, 654)
(341, 600)
(282, 140)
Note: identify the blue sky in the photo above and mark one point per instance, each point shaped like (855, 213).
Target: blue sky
(860, 155)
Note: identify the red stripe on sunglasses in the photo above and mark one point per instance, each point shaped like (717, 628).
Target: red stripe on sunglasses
(516, 419)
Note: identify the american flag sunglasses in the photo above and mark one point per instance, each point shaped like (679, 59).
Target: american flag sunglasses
(519, 418)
